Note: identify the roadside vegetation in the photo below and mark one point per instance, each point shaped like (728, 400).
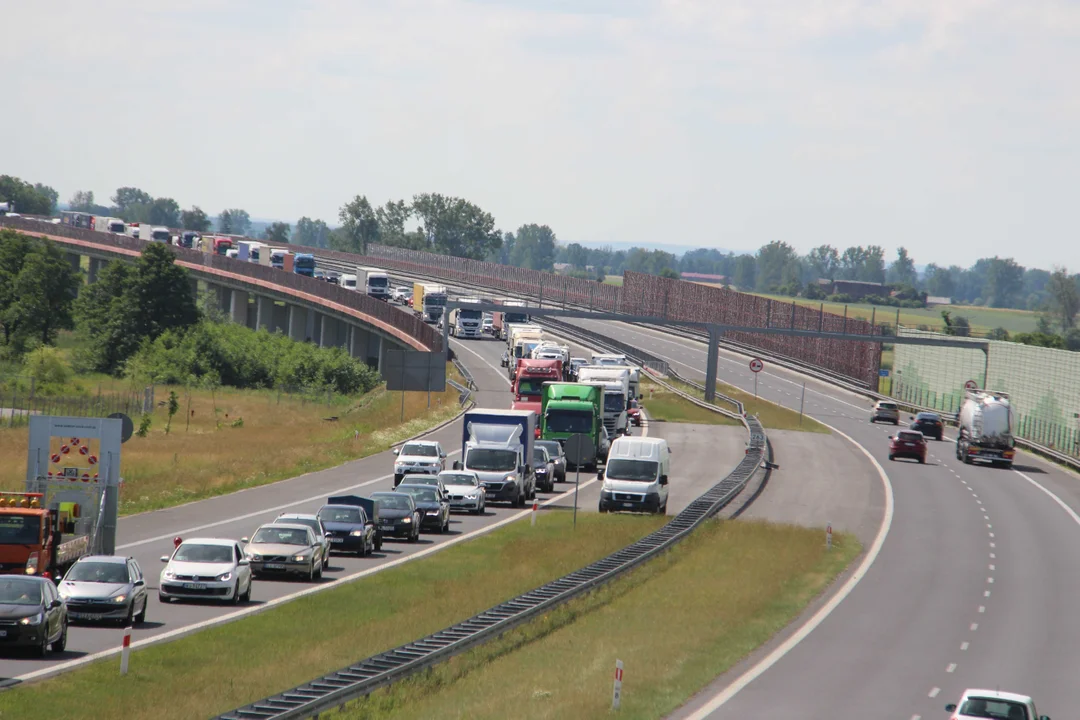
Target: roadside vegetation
(771, 415)
(662, 405)
(224, 667)
(722, 593)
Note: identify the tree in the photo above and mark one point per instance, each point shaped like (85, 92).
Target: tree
(669, 273)
(454, 226)
(745, 272)
(360, 226)
(195, 219)
(392, 218)
(534, 247)
(1064, 298)
(165, 211)
(773, 262)
(902, 271)
(29, 199)
(1005, 280)
(234, 222)
(277, 232)
(577, 255)
(132, 204)
(313, 233)
(958, 325)
(37, 287)
(824, 262)
(82, 201)
(873, 266)
(939, 281)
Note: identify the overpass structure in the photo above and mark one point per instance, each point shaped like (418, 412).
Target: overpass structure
(259, 296)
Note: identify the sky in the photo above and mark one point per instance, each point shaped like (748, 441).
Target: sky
(945, 126)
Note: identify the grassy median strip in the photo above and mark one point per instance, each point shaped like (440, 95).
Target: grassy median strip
(771, 415)
(665, 406)
(676, 623)
(226, 440)
(228, 666)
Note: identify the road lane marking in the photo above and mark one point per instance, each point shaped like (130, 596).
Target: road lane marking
(951, 668)
(964, 646)
(934, 692)
(974, 627)
(982, 608)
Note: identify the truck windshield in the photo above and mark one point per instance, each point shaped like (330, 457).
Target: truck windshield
(635, 470)
(614, 403)
(470, 314)
(378, 282)
(434, 299)
(20, 529)
(515, 318)
(490, 460)
(304, 261)
(569, 421)
(530, 386)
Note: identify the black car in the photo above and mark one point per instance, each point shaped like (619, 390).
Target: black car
(32, 614)
(557, 455)
(543, 470)
(398, 516)
(435, 508)
(348, 527)
(929, 424)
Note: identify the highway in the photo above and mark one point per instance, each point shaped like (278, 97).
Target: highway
(973, 585)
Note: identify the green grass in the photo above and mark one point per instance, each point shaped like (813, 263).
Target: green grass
(613, 280)
(662, 405)
(676, 623)
(771, 415)
(228, 666)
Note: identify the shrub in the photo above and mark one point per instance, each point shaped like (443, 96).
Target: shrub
(49, 368)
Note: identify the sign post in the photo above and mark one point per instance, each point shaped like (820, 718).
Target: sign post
(802, 402)
(756, 366)
(828, 536)
(971, 385)
(616, 695)
(579, 450)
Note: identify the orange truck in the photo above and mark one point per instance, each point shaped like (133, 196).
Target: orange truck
(36, 539)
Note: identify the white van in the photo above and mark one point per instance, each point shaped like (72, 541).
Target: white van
(635, 477)
(347, 281)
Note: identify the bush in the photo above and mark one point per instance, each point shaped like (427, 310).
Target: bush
(840, 298)
(49, 368)
(998, 333)
(245, 358)
(813, 291)
(1040, 339)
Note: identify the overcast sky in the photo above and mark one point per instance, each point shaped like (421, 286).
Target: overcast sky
(949, 126)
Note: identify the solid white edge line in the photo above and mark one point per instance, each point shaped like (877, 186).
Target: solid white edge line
(819, 617)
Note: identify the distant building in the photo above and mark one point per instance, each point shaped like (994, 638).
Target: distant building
(704, 277)
(937, 300)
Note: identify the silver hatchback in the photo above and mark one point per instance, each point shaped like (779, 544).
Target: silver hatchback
(885, 411)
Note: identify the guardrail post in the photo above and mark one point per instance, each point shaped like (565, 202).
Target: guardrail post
(710, 364)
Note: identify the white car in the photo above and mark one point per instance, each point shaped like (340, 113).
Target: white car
(994, 704)
(465, 490)
(313, 522)
(420, 457)
(488, 326)
(401, 294)
(206, 569)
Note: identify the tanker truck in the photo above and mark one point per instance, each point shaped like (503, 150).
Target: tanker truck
(986, 429)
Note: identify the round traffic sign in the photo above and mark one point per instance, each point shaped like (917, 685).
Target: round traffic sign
(579, 449)
(971, 385)
(756, 365)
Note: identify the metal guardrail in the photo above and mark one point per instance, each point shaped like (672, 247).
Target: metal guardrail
(356, 681)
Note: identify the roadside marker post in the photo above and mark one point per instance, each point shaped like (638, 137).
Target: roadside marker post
(535, 507)
(802, 403)
(828, 536)
(126, 651)
(616, 696)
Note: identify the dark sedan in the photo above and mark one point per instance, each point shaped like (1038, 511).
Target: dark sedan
(929, 424)
(398, 516)
(543, 470)
(32, 615)
(558, 457)
(348, 529)
(435, 508)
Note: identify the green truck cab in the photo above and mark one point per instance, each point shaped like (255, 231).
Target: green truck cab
(571, 408)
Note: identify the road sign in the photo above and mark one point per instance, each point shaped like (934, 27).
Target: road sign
(883, 373)
(126, 426)
(971, 385)
(580, 449)
(756, 365)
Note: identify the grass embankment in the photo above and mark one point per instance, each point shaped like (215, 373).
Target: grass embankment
(225, 667)
(676, 623)
(662, 405)
(613, 280)
(771, 415)
(255, 437)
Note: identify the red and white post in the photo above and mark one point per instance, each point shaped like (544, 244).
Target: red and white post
(616, 695)
(126, 651)
(828, 536)
(536, 506)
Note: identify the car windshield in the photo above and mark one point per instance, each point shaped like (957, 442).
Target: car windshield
(340, 515)
(393, 502)
(310, 522)
(421, 494)
(887, 406)
(418, 450)
(910, 436)
(551, 446)
(927, 417)
(489, 460)
(460, 479)
(539, 455)
(98, 572)
(635, 470)
(19, 529)
(423, 480)
(204, 553)
(569, 421)
(281, 536)
(20, 591)
(614, 403)
(993, 708)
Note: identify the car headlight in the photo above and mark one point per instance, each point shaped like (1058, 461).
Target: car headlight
(406, 520)
(254, 557)
(357, 533)
(33, 619)
(301, 558)
(224, 577)
(119, 598)
(398, 465)
(510, 478)
(170, 575)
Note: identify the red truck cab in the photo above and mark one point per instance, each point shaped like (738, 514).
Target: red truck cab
(530, 376)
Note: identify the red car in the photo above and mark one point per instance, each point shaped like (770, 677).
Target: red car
(909, 444)
(634, 413)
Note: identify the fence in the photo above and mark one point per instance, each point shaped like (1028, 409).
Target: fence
(1043, 384)
(408, 323)
(17, 406)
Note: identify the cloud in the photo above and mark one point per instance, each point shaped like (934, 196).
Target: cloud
(944, 126)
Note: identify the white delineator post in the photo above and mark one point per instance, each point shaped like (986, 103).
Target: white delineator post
(616, 695)
(828, 536)
(126, 651)
(536, 506)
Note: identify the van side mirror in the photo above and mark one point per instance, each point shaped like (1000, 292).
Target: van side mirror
(457, 464)
(951, 707)
(396, 451)
(600, 474)
(442, 454)
(663, 479)
(165, 558)
(245, 540)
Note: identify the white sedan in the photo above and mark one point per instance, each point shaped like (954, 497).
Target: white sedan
(206, 569)
(994, 704)
(465, 490)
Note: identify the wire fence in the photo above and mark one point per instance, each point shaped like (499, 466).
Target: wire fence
(18, 404)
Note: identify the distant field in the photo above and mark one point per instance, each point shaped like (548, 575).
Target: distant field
(981, 318)
(613, 280)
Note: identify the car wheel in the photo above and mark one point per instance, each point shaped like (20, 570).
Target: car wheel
(891, 457)
(246, 597)
(311, 572)
(130, 619)
(141, 617)
(43, 647)
(235, 600)
(378, 544)
(896, 422)
(61, 643)
(318, 573)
